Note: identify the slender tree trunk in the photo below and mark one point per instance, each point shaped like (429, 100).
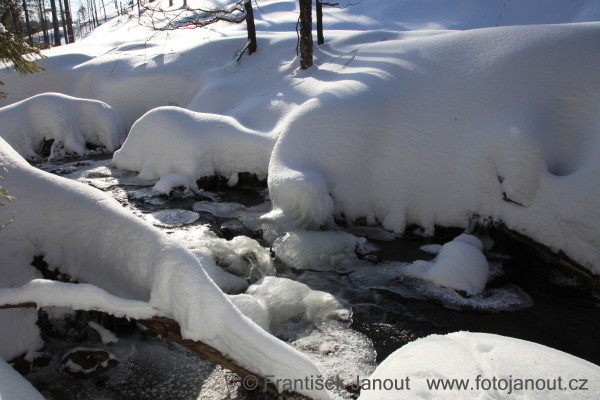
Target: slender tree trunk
(55, 23)
(27, 22)
(320, 37)
(306, 42)
(43, 21)
(62, 22)
(95, 6)
(15, 19)
(250, 26)
(69, 21)
(104, 8)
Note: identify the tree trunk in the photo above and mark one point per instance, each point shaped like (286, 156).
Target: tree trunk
(69, 22)
(27, 22)
(250, 26)
(55, 23)
(306, 42)
(320, 37)
(104, 7)
(43, 21)
(62, 21)
(15, 19)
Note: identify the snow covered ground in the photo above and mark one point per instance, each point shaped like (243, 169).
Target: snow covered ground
(427, 113)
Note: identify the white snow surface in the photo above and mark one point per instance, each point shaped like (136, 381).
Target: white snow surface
(488, 356)
(14, 387)
(402, 119)
(70, 121)
(126, 257)
(168, 182)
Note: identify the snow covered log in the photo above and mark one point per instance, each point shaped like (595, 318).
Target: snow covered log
(71, 122)
(89, 236)
(171, 140)
(498, 122)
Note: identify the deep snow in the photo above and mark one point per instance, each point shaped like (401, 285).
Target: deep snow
(400, 121)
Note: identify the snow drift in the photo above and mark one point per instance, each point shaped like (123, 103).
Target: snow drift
(484, 356)
(437, 130)
(128, 258)
(69, 121)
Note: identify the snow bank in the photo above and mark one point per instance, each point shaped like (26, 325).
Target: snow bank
(126, 257)
(171, 140)
(14, 387)
(491, 122)
(70, 121)
(472, 356)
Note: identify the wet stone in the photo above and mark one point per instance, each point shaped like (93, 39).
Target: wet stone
(87, 363)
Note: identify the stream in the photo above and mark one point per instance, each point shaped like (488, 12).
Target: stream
(529, 299)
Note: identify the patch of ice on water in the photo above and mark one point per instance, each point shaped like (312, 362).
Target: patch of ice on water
(372, 232)
(171, 218)
(431, 248)
(225, 210)
(320, 251)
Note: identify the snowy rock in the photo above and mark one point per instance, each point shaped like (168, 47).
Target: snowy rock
(481, 358)
(70, 121)
(459, 265)
(87, 363)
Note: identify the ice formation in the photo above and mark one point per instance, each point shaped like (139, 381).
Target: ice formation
(319, 251)
(290, 307)
(478, 358)
(169, 182)
(69, 121)
(127, 258)
(106, 336)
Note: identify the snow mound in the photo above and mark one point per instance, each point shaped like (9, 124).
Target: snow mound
(14, 387)
(69, 121)
(128, 258)
(459, 265)
(496, 122)
(494, 367)
(171, 140)
(106, 336)
(319, 251)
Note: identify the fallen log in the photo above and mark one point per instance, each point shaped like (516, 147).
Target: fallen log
(171, 331)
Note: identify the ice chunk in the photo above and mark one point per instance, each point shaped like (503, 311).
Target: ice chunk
(172, 218)
(293, 307)
(320, 251)
(226, 210)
